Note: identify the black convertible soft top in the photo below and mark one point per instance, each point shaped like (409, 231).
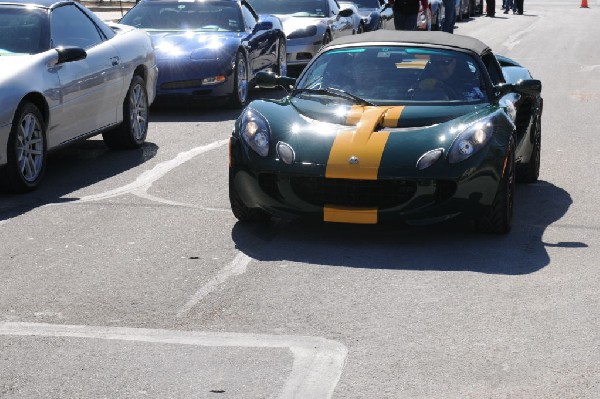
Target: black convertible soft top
(415, 37)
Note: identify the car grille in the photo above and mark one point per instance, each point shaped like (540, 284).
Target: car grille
(356, 193)
(182, 84)
(380, 194)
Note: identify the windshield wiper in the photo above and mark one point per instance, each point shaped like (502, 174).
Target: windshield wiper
(332, 91)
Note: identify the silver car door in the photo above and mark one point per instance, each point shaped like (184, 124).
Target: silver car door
(90, 87)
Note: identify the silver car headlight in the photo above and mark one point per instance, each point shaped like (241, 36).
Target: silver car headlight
(256, 132)
(305, 32)
(469, 142)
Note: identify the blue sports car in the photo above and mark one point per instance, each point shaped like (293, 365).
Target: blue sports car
(211, 49)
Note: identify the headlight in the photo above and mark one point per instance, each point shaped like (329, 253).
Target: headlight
(469, 142)
(256, 132)
(429, 158)
(306, 32)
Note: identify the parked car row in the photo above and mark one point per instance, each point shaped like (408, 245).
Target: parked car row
(418, 127)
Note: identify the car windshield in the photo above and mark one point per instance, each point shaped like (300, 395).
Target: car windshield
(296, 8)
(367, 3)
(23, 30)
(186, 16)
(396, 75)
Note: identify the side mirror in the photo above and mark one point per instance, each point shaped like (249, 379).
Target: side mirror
(528, 87)
(70, 54)
(346, 12)
(270, 80)
(263, 25)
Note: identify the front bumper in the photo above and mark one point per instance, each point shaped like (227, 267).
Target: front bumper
(183, 80)
(301, 51)
(412, 200)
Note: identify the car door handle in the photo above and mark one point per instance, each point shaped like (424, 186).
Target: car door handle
(115, 61)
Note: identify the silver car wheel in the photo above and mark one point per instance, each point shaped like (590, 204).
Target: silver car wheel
(282, 62)
(30, 147)
(138, 112)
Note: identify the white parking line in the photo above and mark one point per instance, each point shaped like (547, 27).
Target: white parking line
(235, 268)
(515, 39)
(317, 367)
(146, 179)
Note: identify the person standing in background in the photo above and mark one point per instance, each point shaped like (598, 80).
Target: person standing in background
(490, 6)
(519, 6)
(449, 16)
(405, 13)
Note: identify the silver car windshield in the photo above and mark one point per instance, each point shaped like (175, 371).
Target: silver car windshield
(186, 16)
(367, 3)
(296, 8)
(397, 75)
(23, 30)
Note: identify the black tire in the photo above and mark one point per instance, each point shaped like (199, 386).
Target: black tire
(326, 39)
(361, 29)
(497, 219)
(530, 171)
(239, 95)
(241, 211)
(131, 134)
(281, 59)
(26, 151)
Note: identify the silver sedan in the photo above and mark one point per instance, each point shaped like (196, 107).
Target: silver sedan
(65, 75)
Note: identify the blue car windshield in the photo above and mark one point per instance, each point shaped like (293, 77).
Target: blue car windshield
(23, 30)
(397, 75)
(186, 16)
(296, 8)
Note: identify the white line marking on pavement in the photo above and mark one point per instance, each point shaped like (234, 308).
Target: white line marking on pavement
(515, 39)
(317, 368)
(235, 268)
(146, 179)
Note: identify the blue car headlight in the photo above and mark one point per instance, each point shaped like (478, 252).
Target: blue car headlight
(470, 141)
(256, 132)
(306, 32)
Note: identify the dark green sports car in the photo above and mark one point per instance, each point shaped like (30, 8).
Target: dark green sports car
(420, 127)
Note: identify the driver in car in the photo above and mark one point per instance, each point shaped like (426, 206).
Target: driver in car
(448, 78)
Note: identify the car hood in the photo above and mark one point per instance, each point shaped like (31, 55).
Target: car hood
(366, 131)
(412, 115)
(292, 24)
(195, 46)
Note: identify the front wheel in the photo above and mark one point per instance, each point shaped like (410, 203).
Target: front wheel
(530, 171)
(326, 39)
(239, 96)
(282, 59)
(497, 219)
(131, 134)
(26, 150)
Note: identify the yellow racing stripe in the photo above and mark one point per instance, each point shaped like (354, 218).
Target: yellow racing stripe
(356, 154)
(340, 214)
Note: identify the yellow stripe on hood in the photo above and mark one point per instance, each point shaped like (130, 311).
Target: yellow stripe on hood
(363, 145)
